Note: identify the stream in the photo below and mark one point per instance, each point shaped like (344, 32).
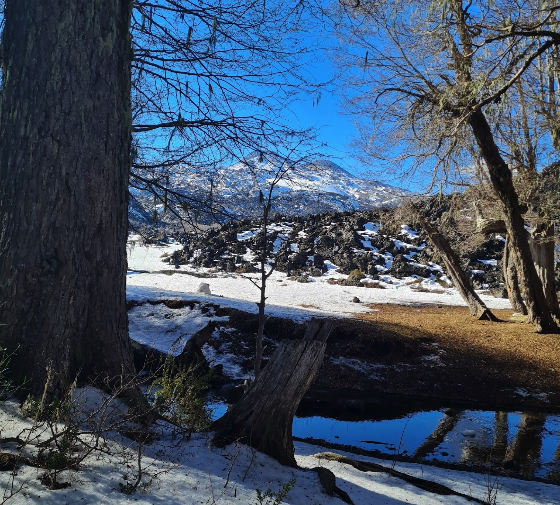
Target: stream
(518, 444)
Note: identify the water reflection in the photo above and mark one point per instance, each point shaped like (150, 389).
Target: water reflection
(518, 444)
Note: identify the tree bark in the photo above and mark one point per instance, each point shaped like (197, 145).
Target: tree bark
(477, 308)
(263, 417)
(538, 312)
(541, 242)
(65, 125)
(511, 280)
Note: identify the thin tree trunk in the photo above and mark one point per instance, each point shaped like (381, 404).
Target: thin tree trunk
(542, 244)
(500, 176)
(477, 308)
(263, 417)
(65, 125)
(262, 301)
(511, 280)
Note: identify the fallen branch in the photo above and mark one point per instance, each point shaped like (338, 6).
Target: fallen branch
(426, 485)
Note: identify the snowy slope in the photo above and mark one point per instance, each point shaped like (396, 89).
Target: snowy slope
(189, 472)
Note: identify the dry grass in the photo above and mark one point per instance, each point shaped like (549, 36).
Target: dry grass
(484, 361)
(455, 328)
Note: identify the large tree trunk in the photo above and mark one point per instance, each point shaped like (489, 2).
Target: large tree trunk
(511, 280)
(263, 417)
(538, 311)
(65, 125)
(477, 308)
(541, 242)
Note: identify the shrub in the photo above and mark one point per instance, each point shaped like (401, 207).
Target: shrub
(181, 397)
(269, 497)
(6, 387)
(356, 275)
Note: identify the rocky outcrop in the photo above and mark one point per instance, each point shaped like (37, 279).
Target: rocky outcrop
(376, 243)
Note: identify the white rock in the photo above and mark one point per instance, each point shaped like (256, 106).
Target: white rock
(204, 287)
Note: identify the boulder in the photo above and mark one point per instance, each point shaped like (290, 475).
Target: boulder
(204, 287)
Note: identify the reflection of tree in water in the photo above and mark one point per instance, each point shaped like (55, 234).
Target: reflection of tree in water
(526, 446)
(554, 473)
(445, 426)
(478, 450)
(490, 451)
(557, 453)
(523, 453)
(501, 430)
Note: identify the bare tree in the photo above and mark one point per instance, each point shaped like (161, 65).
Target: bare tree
(211, 81)
(277, 171)
(430, 79)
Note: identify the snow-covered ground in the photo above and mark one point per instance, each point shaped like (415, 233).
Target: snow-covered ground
(151, 279)
(177, 471)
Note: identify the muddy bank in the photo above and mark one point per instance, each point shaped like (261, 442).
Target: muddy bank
(437, 354)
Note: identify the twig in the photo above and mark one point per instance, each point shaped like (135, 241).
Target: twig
(232, 463)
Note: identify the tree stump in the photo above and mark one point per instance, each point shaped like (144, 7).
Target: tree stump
(263, 417)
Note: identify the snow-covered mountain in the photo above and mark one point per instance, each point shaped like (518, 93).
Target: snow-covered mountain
(302, 189)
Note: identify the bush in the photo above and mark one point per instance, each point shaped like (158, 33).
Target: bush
(269, 497)
(356, 275)
(6, 387)
(60, 419)
(181, 397)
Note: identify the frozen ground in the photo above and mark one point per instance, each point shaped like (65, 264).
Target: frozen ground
(177, 471)
(151, 279)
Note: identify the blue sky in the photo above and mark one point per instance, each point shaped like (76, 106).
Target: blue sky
(337, 130)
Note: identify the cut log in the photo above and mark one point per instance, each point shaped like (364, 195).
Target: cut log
(477, 308)
(263, 417)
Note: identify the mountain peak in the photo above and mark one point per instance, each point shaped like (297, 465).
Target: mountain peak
(310, 188)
